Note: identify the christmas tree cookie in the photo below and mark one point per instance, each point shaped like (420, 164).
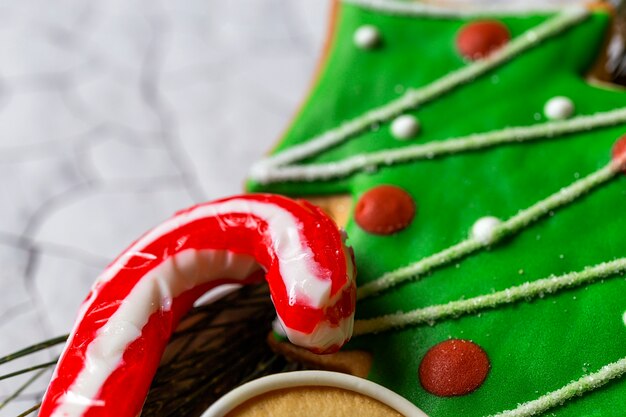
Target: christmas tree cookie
(484, 179)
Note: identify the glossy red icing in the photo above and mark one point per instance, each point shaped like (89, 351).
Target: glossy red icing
(619, 152)
(453, 367)
(384, 210)
(242, 232)
(478, 39)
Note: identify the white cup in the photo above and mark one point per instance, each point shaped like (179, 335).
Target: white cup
(297, 379)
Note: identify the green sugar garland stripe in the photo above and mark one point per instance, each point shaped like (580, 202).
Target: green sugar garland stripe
(403, 8)
(430, 150)
(262, 171)
(416, 270)
(577, 388)
(539, 288)
(514, 224)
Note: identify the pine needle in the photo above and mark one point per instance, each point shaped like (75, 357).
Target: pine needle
(21, 389)
(34, 348)
(30, 410)
(29, 369)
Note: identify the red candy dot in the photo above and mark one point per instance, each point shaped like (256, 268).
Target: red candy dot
(619, 152)
(384, 210)
(478, 39)
(453, 368)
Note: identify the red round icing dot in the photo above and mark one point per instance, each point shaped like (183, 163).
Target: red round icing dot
(478, 39)
(619, 152)
(384, 210)
(453, 367)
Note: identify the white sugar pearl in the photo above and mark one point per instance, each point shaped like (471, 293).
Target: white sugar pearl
(484, 229)
(367, 37)
(405, 127)
(558, 108)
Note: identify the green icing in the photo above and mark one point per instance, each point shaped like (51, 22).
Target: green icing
(535, 347)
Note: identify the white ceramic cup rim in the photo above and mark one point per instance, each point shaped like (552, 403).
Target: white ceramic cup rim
(296, 379)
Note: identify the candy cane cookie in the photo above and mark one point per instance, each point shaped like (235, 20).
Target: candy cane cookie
(124, 324)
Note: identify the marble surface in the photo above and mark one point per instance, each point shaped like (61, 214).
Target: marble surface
(115, 114)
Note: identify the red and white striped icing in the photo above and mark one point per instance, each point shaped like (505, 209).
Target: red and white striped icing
(135, 305)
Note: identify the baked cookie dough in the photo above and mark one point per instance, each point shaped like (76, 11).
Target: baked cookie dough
(514, 249)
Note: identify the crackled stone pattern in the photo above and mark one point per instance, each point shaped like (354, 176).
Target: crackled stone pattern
(115, 114)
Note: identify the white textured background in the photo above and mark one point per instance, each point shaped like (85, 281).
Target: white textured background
(116, 113)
